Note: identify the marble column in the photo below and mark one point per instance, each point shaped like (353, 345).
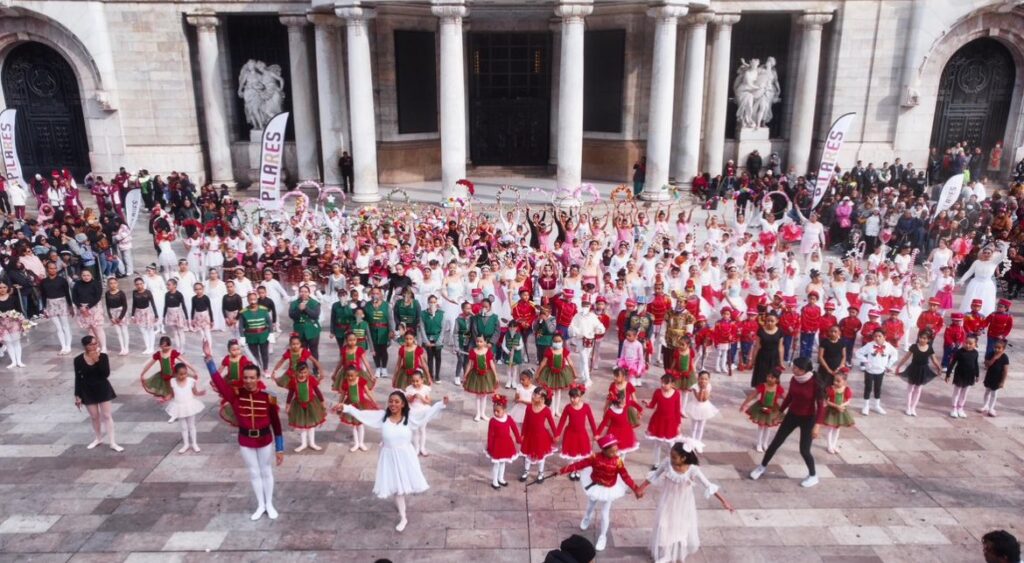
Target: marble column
(570, 93)
(687, 159)
(362, 115)
(718, 93)
(556, 47)
(214, 112)
(453, 96)
(806, 96)
(332, 98)
(663, 77)
(302, 97)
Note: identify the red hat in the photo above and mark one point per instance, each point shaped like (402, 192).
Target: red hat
(934, 301)
(701, 318)
(631, 303)
(585, 299)
(690, 284)
(790, 301)
(477, 291)
(976, 302)
(874, 313)
(601, 299)
(727, 309)
(751, 310)
(853, 308)
(957, 316)
(607, 441)
(830, 305)
(568, 292)
(499, 400)
(894, 310)
(523, 290)
(813, 294)
(1005, 303)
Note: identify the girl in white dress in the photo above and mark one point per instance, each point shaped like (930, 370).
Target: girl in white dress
(166, 256)
(983, 285)
(184, 405)
(675, 535)
(524, 396)
(216, 290)
(155, 284)
(418, 394)
(196, 252)
(700, 409)
(213, 257)
(398, 469)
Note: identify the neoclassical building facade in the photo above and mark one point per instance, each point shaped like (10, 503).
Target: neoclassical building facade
(423, 90)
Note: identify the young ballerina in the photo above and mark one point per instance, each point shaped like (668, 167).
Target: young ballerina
(577, 415)
(556, 370)
(184, 405)
(480, 376)
(502, 437)
(963, 366)
(538, 434)
(604, 479)
(701, 410)
(356, 391)
(764, 410)
(918, 373)
(675, 535)
(306, 410)
(353, 356)
(295, 354)
(411, 358)
(201, 312)
(837, 415)
(632, 358)
(996, 369)
(175, 319)
(159, 384)
(513, 346)
(398, 469)
(627, 394)
(524, 395)
(231, 370)
(418, 393)
(667, 418)
(616, 422)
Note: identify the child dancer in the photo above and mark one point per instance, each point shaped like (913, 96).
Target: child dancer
(953, 338)
(512, 344)
(701, 410)
(295, 354)
(681, 368)
(174, 316)
(185, 406)
(604, 479)
(837, 416)
(632, 358)
(357, 392)
(480, 377)
(576, 443)
(538, 434)
(667, 417)
(995, 376)
(917, 373)
(725, 337)
(556, 370)
(418, 394)
(305, 408)
(502, 437)
(353, 356)
(159, 384)
(764, 409)
(231, 370)
(964, 368)
(411, 358)
(201, 310)
(626, 393)
(616, 422)
(524, 395)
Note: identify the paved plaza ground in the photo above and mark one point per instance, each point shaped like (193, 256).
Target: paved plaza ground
(900, 490)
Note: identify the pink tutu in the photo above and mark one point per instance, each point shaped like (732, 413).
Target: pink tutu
(56, 308)
(92, 318)
(945, 299)
(10, 325)
(635, 367)
(201, 321)
(144, 318)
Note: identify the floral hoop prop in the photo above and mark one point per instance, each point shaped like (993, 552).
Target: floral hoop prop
(589, 189)
(564, 197)
(470, 188)
(455, 202)
(507, 188)
(311, 185)
(329, 196)
(767, 204)
(390, 200)
(621, 193)
(300, 206)
(367, 214)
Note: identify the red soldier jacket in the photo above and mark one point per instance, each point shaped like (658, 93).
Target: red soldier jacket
(659, 307)
(789, 322)
(605, 470)
(725, 332)
(748, 330)
(893, 331)
(524, 313)
(564, 311)
(827, 321)
(954, 336)
(999, 325)
(974, 323)
(930, 320)
(693, 305)
(849, 327)
(868, 330)
(620, 324)
(702, 337)
(256, 412)
(810, 316)
(606, 321)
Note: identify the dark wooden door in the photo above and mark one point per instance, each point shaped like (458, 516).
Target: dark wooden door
(510, 94)
(974, 96)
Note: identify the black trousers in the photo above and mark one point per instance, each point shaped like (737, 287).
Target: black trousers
(434, 361)
(380, 355)
(790, 423)
(260, 352)
(873, 381)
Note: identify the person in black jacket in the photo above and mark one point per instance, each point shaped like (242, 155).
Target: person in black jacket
(574, 549)
(86, 295)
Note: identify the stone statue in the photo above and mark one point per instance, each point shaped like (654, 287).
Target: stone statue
(755, 89)
(261, 87)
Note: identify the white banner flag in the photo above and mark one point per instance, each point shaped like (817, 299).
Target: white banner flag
(133, 206)
(830, 155)
(8, 145)
(950, 193)
(272, 161)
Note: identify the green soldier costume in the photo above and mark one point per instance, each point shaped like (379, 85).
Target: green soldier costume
(408, 314)
(361, 329)
(343, 317)
(432, 325)
(486, 326)
(255, 325)
(379, 319)
(307, 325)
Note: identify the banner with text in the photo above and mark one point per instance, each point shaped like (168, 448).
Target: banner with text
(830, 155)
(950, 193)
(12, 165)
(133, 206)
(272, 162)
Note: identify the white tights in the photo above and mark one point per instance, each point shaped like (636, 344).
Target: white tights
(400, 505)
(913, 397)
(990, 400)
(148, 338)
(358, 436)
(122, 336)
(833, 438)
(556, 404)
(764, 436)
(259, 462)
(606, 515)
(698, 430)
(63, 332)
(481, 407)
(528, 463)
(308, 437)
(101, 338)
(178, 338)
(419, 439)
(13, 343)
(960, 397)
(498, 473)
(188, 433)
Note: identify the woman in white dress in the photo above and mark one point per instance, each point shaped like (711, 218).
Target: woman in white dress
(940, 256)
(216, 290)
(814, 233)
(156, 285)
(213, 256)
(398, 468)
(983, 285)
(196, 252)
(453, 293)
(675, 535)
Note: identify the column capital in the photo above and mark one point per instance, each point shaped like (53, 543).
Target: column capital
(449, 9)
(814, 19)
(725, 20)
(570, 10)
(668, 10)
(203, 20)
(354, 13)
(294, 20)
(322, 19)
(699, 19)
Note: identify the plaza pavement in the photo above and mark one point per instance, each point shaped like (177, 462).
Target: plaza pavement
(900, 489)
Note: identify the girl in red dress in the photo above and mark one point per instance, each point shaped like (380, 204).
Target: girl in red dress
(357, 392)
(627, 394)
(481, 377)
(353, 356)
(410, 358)
(294, 355)
(538, 434)
(231, 370)
(159, 384)
(765, 407)
(663, 427)
(616, 422)
(306, 409)
(556, 371)
(502, 437)
(576, 443)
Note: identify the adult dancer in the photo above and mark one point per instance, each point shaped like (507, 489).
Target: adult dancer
(93, 389)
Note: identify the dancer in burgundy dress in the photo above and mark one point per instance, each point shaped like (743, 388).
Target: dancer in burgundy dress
(616, 422)
(667, 418)
(538, 434)
(502, 437)
(576, 442)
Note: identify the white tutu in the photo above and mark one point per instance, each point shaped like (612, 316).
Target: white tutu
(599, 492)
(984, 289)
(184, 404)
(700, 410)
(502, 460)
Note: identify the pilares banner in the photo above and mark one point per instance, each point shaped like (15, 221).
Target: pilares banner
(133, 206)
(830, 155)
(272, 162)
(8, 145)
(950, 193)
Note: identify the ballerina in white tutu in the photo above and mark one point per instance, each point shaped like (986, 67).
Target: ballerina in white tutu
(700, 410)
(983, 284)
(398, 468)
(184, 405)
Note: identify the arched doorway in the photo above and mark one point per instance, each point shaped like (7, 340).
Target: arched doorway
(974, 96)
(41, 85)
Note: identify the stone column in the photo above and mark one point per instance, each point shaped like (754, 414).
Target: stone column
(453, 96)
(302, 97)
(663, 78)
(217, 140)
(331, 96)
(362, 115)
(718, 93)
(556, 47)
(805, 98)
(692, 99)
(570, 93)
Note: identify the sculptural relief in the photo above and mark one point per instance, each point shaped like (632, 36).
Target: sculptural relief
(261, 87)
(756, 88)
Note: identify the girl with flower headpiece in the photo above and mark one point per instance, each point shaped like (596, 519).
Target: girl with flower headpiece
(538, 433)
(306, 409)
(294, 355)
(764, 402)
(576, 443)
(616, 421)
(480, 377)
(502, 437)
(667, 417)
